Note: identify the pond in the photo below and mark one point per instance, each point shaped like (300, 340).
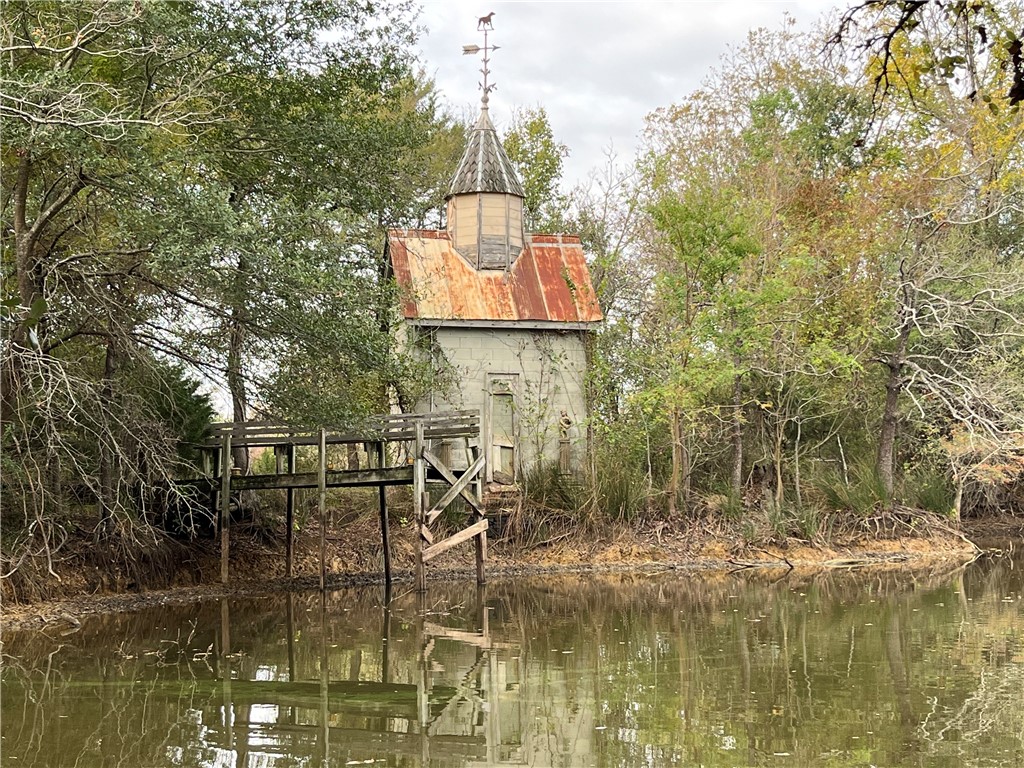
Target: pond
(882, 668)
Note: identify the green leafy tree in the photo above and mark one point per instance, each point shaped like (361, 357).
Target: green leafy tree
(538, 158)
(199, 185)
(704, 303)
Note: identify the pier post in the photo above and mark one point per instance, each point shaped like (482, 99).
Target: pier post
(225, 507)
(290, 517)
(215, 488)
(418, 492)
(322, 486)
(383, 503)
(481, 538)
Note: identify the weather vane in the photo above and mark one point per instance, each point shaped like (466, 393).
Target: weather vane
(484, 24)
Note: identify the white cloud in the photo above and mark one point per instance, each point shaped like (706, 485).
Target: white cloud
(597, 67)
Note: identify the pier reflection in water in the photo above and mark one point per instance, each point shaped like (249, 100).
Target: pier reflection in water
(829, 669)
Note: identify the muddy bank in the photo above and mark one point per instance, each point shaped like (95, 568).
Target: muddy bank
(354, 559)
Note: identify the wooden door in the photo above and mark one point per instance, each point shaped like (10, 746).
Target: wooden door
(502, 428)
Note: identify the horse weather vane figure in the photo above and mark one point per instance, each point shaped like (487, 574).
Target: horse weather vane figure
(485, 25)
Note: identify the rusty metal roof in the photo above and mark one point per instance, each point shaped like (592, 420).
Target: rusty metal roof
(484, 166)
(549, 282)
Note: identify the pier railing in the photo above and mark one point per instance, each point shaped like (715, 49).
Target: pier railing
(390, 428)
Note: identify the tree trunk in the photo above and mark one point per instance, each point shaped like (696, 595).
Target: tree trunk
(236, 385)
(23, 268)
(108, 462)
(55, 483)
(737, 438)
(796, 464)
(958, 501)
(24, 239)
(893, 385)
(677, 461)
(887, 438)
(26, 272)
(235, 372)
(776, 469)
(236, 347)
(684, 448)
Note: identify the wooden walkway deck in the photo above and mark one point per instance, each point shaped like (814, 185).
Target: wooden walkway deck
(403, 449)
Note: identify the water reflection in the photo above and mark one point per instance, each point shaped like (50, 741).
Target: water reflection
(830, 670)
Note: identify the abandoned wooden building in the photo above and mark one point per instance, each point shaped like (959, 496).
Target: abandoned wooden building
(504, 314)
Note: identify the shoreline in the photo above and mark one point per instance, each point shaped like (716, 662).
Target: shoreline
(629, 552)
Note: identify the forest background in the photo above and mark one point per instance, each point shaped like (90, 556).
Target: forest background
(812, 273)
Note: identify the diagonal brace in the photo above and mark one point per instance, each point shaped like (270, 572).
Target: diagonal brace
(458, 485)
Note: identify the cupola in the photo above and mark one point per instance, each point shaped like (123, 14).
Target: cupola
(485, 198)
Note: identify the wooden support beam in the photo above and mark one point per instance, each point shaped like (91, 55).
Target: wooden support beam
(481, 540)
(458, 485)
(418, 490)
(280, 468)
(289, 519)
(464, 535)
(426, 534)
(481, 556)
(365, 426)
(402, 435)
(336, 478)
(478, 639)
(322, 485)
(225, 508)
(215, 480)
(382, 500)
(406, 431)
(476, 450)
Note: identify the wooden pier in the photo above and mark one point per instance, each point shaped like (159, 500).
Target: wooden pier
(403, 449)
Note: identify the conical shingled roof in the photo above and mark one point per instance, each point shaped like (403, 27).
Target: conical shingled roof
(484, 166)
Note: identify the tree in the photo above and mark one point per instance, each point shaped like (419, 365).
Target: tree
(953, 271)
(197, 185)
(755, 186)
(968, 33)
(884, 248)
(706, 304)
(538, 159)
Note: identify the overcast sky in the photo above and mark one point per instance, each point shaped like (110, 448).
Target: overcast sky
(598, 67)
